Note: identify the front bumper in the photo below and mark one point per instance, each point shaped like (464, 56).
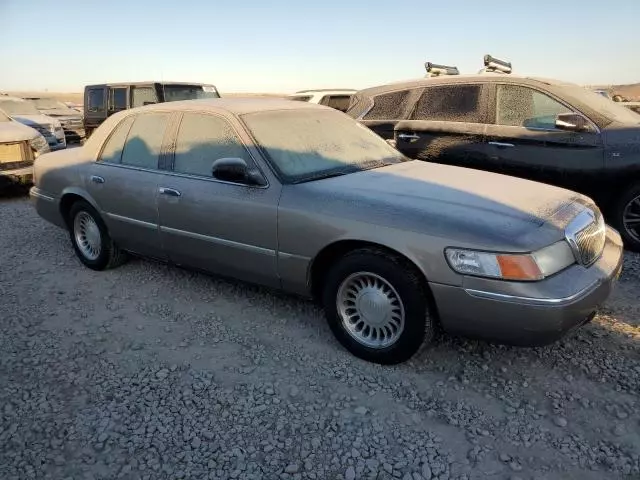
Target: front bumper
(17, 176)
(516, 318)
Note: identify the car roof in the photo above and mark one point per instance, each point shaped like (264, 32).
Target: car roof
(150, 82)
(234, 106)
(453, 79)
(325, 90)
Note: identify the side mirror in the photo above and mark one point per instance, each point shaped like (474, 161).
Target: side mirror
(235, 170)
(572, 122)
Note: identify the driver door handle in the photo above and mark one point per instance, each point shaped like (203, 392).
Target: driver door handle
(172, 192)
(97, 179)
(501, 144)
(408, 136)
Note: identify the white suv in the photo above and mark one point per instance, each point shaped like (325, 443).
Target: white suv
(334, 98)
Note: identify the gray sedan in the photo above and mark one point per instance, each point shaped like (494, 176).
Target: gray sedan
(299, 197)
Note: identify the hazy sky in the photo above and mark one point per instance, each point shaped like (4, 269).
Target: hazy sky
(282, 46)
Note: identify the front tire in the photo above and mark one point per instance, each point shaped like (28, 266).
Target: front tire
(626, 217)
(90, 238)
(376, 306)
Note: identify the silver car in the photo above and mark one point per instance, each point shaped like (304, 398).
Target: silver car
(300, 197)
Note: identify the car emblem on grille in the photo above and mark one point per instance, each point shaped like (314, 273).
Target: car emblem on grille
(586, 235)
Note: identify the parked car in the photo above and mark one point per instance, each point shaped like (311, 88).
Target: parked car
(334, 98)
(70, 119)
(392, 247)
(101, 101)
(26, 113)
(633, 106)
(19, 146)
(540, 129)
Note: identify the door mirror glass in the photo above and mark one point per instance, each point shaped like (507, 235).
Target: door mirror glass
(572, 122)
(235, 170)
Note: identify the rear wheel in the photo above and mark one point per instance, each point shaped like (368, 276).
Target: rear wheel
(626, 217)
(90, 239)
(376, 306)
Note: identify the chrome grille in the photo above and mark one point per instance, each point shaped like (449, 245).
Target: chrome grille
(587, 235)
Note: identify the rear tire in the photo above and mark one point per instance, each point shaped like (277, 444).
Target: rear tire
(90, 238)
(625, 214)
(376, 306)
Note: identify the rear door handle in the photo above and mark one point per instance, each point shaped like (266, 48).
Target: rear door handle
(97, 179)
(172, 192)
(501, 144)
(408, 136)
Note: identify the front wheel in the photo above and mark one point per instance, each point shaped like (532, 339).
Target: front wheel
(626, 217)
(376, 306)
(90, 238)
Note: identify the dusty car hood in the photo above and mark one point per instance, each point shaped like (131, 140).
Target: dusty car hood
(16, 132)
(62, 113)
(470, 205)
(35, 119)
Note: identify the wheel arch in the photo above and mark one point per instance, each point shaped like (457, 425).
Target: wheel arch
(70, 196)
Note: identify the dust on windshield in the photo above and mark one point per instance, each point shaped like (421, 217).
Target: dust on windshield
(310, 144)
(609, 108)
(50, 104)
(18, 107)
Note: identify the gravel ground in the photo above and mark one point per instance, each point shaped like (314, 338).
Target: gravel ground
(153, 372)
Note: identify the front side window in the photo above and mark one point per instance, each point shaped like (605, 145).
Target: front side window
(202, 139)
(141, 96)
(112, 150)
(519, 106)
(318, 144)
(450, 103)
(117, 98)
(389, 106)
(144, 143)
(96, 99)
(339, 102)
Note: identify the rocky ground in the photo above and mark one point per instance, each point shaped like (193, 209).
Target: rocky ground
(152, 372)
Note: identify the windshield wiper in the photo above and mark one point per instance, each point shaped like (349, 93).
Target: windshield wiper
(322, 176)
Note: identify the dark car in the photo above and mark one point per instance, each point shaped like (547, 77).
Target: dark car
(101, 101)
(544, 130)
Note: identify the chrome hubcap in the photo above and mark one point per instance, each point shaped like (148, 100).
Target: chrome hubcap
(87, 235)
(370, 309)
(631, 218)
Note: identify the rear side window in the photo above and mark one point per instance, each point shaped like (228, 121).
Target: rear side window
(95, 100)
(450, 103)
(144, 142)
(339, 102)
(142, 95)
(202, 139)
(389, 106)
(112, 150)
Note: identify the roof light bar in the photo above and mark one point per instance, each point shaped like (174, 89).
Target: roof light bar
(492, 64)
(435, 70)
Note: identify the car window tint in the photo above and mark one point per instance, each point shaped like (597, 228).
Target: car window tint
(519, 106)
(450, 103)
(145, 140)
(117, 98)
(388, 106)
(339, 102)
(140, 95)
(112, 150)
(202, 139)
(96, 99)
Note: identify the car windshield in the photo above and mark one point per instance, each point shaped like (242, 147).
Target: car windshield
(613, 110)
(50, 104)
(18, 107)
(174, 93)
(305, 145)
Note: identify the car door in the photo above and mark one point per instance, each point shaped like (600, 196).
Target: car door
(221, 226)
(525, 141)
(447, 126)
(388, 109)
(118, 99)
(124, 182)
(95, 110)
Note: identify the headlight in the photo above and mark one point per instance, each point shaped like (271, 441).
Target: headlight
(512, 266)
(39, 146)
